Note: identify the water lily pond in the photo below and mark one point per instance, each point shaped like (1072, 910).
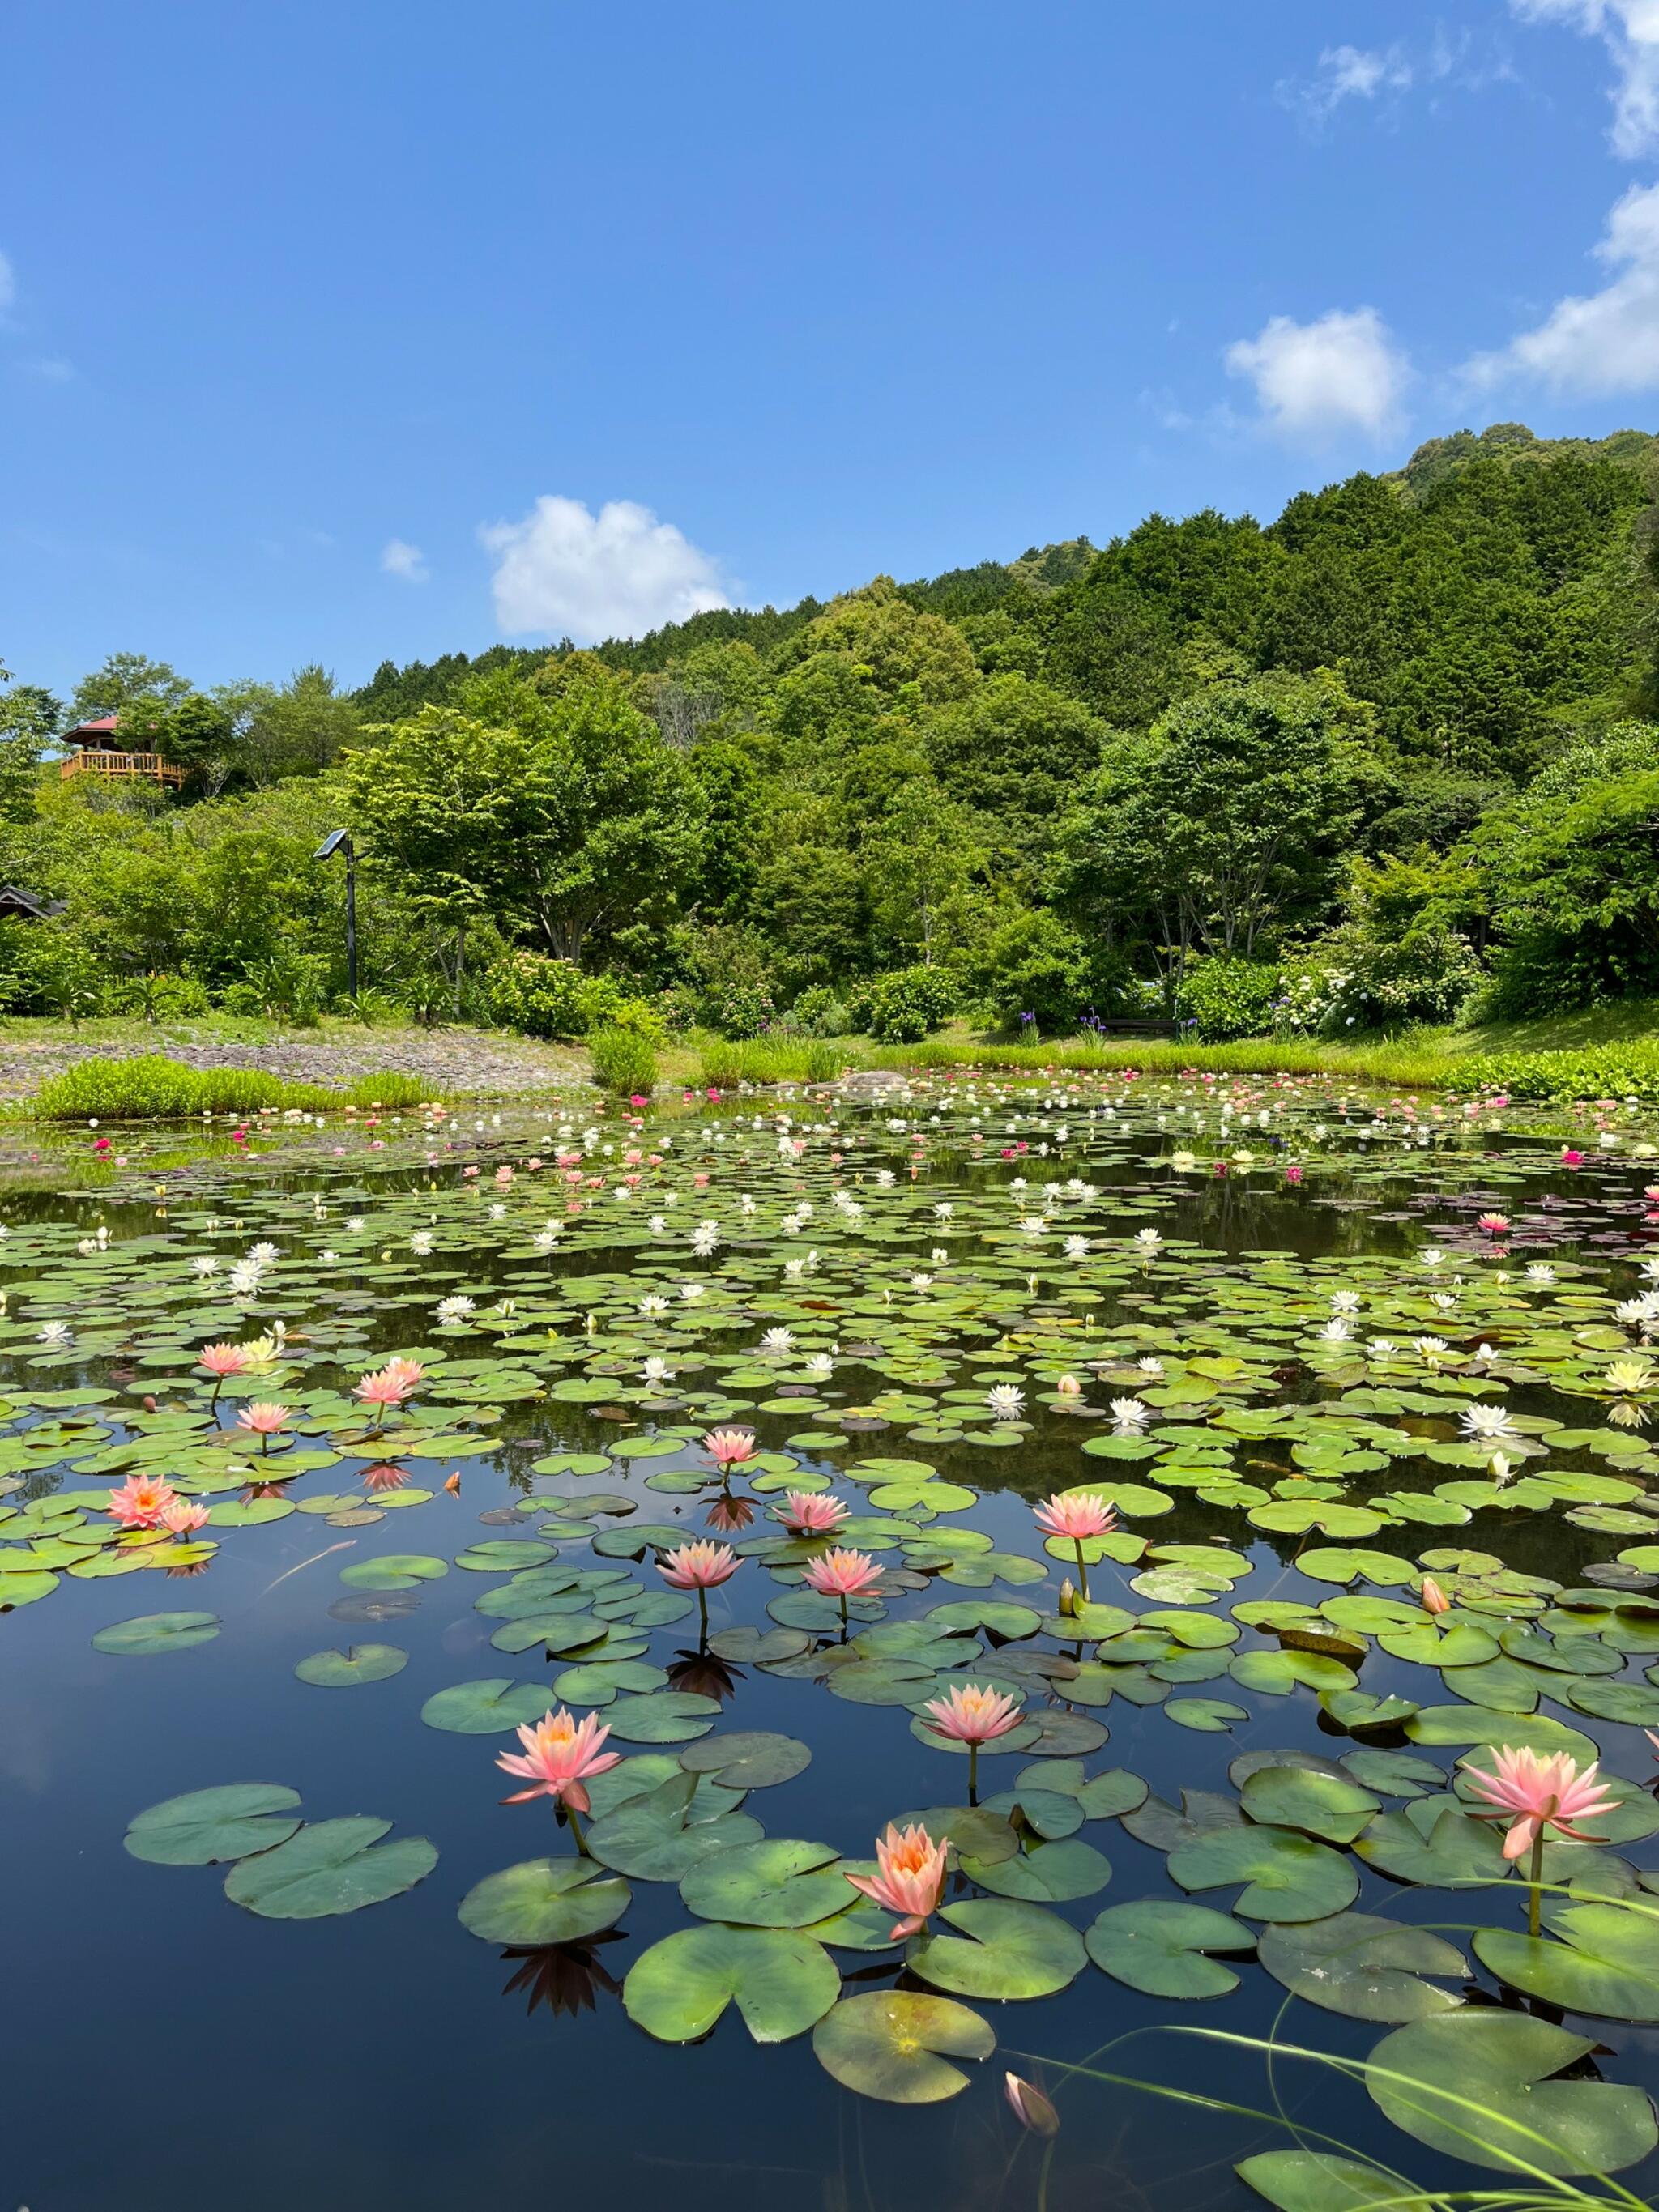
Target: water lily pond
(1216, 1515)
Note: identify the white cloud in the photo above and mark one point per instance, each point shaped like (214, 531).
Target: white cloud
(7, 284)
(1607, 341)
(399, 558)
(567, 572)
(1631, 30)
(1342, 371)
(1345, 73)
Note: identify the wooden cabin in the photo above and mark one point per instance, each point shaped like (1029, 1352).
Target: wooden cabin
(94, 749)
(19, 905)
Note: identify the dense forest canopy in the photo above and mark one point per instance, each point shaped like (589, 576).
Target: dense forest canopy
(1392, 750)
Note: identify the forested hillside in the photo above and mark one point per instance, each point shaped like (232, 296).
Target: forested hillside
(1390, 752)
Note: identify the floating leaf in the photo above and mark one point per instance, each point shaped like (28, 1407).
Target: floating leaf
(544, 1901)
(359, 1662)
(1287, 1876)
(207, 1825)
(781, 1981)
(1366, 1967)
(747, 1759)
(487, 1707)
(1006, 1949)
(330, 1867)
(1320, 2181)
(779, 1883)
(157, 1632)
(1478, 2085)
(1606, 1963)
(1159, 1945)
(1323, 1805)
(897, 2044)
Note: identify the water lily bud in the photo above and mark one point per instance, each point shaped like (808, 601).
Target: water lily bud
(454, 1485)
(1067, 1598)
(1434, 1598)
(1069, 1386)
(1031, 2108)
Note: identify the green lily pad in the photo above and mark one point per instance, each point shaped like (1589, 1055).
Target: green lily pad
(1478, 2085)
(1323, 1805)
(897, 2044)
(205, 1826)
(1051, 1873)
(487, 1707)
(1160, 1945)
(664, 1716)
(1363, 1966)
(544, 1901)
(656, 1835)
(1006, 1949)
(1287, 1876)
(747, 1759)
(1606, 1963)
(359, 1662)
(330, 1867)
(1320, 2181)
(157, 1632)
(393, 1570)
(783, 1882)
(781, 1981)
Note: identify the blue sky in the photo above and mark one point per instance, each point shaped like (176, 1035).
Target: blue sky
(331, 333)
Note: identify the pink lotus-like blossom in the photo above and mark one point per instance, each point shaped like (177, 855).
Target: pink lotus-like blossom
(1495, 1224)
(141, 1501)
(1546, 1793)
(408, 1372)
(804, 1514)
(222, 1360)
(184, 1517)
(1434, 1598)
(973, 1715)
(1293, 1175)
(841, 1574)
(264, 1419)
(1570, 1158)
(729, 1448)
(698, 1566)
(1030, 2107)
(559, 1755)
(388, 1386)
(910, 1877)
(1077, 1514)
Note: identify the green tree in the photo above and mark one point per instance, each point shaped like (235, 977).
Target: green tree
(125, 680)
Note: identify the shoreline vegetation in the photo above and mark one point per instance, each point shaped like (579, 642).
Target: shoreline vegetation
(115, 1070)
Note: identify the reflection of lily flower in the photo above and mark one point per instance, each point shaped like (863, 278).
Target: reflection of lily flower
(703, 1674)
(562, 1976)
(385, 1476)
(728, 1516)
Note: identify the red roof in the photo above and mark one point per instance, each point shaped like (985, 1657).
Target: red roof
(104, 726)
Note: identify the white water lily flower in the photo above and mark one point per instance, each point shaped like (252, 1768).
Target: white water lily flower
(1336, 1330)
(705, 1238)
(1627, 1375)
(921, 1282)
(777, 1340)
(1432, 1256)
(1152, 1369)
(328, 1256)
(1345, 1302)
(1431, 1348)
(245, 1279)
(1501, 1468)
(1488, 1422)
(657, 1224)
(449, 1311)
(940, 1257)
(820, 1367)
(794, 1269)
(1077, 1247)
(1380, 1347)
(420, 1242)
(355, 1223)
(1650, 1267)
(264, 1254)
(205, 1264)
(653, 1304)
(1148, 1240)
(656, 1370)
(690, 1292)
(792, 1225)
(1443, 1300)
(1183, 1162)
(499, 1213)
(546, 1240)
(1130, 1413)
(56, 1335)
(1540, 1271)
(1006, 1400)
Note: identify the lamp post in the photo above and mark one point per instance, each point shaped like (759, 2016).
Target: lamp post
(340, 840)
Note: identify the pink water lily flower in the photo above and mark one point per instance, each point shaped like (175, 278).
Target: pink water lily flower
(222, 1360)
(1077, 1514)
(387, 1386)
(184, 1517)
(974, 1714)
(804, 1514)
(698, 1566)
(910, 1878)
(1495, 1224)
(142, 1500)
(1547, 1795)
(729, 1448)
(264, 1419)
(559, 1756)
(841, 1574)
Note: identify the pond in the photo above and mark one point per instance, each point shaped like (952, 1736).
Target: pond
(1341, 1408)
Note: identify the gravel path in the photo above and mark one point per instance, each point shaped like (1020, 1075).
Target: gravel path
(454, 1059)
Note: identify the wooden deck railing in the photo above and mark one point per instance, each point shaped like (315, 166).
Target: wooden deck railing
(95, 762)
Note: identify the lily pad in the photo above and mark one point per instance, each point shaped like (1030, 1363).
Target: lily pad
(1362, 1965)
(205, 1826)
(487, 1707)
(1006, 1949)
(747, 1759)
(1606, 1961)
(157, 1632)
(544, 1901)
(1160, 1945)
(783, 1882)
(330, 1867)
(359, 1662)
(897, 2044)
(781, 1981)
(1287, 1876)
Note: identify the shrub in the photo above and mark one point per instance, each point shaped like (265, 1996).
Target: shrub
(740, 1010)
(818, 1013)
(543, 997)
(624, 1062)
(1629, 1069)
(909, 1003)
(1034, 965)
(1228, 999)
